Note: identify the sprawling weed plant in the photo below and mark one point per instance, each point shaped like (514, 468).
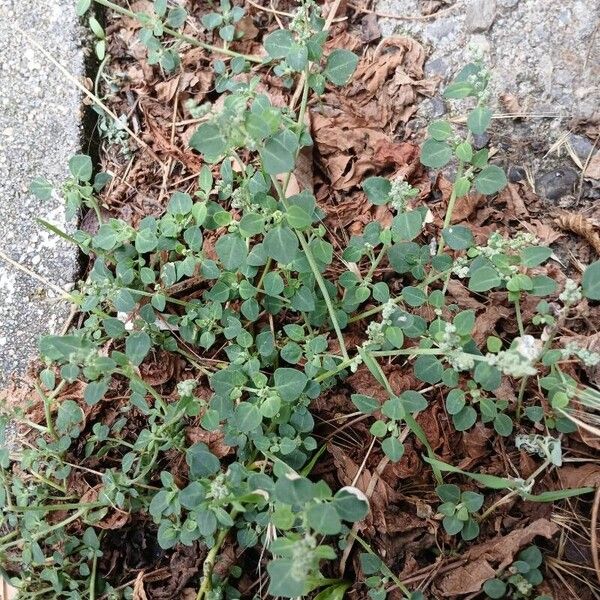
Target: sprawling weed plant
(266, 332)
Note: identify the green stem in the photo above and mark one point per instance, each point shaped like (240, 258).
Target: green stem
(375, 263)
(519, 317)
(190, 40)
(398, 299)
(450, 209)
(93, 577)
(209, 562)
(40, 534)
(317, 275)
(384, 568)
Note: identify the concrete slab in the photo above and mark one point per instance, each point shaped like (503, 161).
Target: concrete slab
(545, 52)
(40, 120)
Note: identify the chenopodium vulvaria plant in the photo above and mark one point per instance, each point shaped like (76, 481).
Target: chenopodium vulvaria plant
(265, 328)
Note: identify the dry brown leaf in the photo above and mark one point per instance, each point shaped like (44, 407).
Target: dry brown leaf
(467, 579)
(493, 555)
(577, 223)
(511, 103)
(139, 593)
(573, 477)
(592, 171)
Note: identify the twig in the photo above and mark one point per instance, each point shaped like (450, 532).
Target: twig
(594, 534)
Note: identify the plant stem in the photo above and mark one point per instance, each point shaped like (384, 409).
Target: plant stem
(40, 534)
(321, 283)
(190, 40)
(209, 562)
(375, 263)
(317, 275)
(450, 209)
(519, 317)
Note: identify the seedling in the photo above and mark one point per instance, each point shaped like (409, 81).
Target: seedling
(459, 510)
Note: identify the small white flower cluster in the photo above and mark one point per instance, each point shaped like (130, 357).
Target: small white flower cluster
(571, 294)
(400, 193)
(375, 334)
(185, 388)
(218, 488)
(302, 558)
(512, 362)
(460, 361)
(460, 268)
(450, 344)
(376, 331)
(498, 244)
(544, 446)
(480, 79)
(301, 21)
(587, 357)
(241, 198)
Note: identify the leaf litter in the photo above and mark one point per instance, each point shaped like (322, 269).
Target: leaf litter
(358, 131)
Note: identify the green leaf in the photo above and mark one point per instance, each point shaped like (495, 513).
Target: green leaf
(440, 130)
(393, 448)
(94, 391)
(201, 461)
(232, 251)
(180, 204)
(464, 322)
(351, 504)
(479, 119)
(455, 401)
(277, 155)
(334, 592)
(300, 211)
(137, 346)
(297, 57)
(542, 285)
(377, 189)
(281, 244)
(82, 7)
(41, 188)
(69, 414)
(284, 580)
(366, 404)
(503, 425)
(453, 525)
(591, 281)
(246, 417)
(435, 154)
(472, 500)
(483, 279)
(209, 141)
(340, 66)
(458, 237)
(448, 492)
(279, 43)
(535, 255)
(428, 369)
(464, 152)
(458, 90)
(81, 167)
(323, 518)
(145, 241)
(495, 588)
(465, 418)
(408, 225)
(490, 180)
(289, 383)
(532, 556)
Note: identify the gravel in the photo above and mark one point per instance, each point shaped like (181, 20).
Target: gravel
(40, 119)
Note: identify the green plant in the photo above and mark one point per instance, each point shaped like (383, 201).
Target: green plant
(459, 510)
(520, 579)
(266, 331)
